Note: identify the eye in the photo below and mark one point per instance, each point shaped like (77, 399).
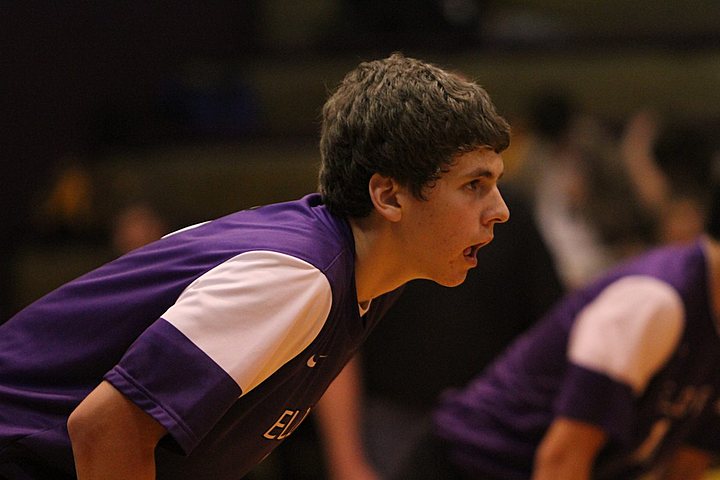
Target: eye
(474, 185)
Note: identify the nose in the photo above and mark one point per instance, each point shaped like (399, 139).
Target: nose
(500, 213)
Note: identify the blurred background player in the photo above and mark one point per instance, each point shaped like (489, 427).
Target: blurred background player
(619, 380)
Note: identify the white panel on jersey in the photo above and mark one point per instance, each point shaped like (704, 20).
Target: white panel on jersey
(629, 330)
(253, 313)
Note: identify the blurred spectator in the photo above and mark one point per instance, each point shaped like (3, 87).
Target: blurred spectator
(66, 211)
(582, 196)
(136, 225)
(670, 163)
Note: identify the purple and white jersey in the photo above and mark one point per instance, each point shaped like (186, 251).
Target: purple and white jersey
(636, 353)
(227, 333)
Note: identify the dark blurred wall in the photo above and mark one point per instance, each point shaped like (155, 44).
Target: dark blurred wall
(82, 80)
(80, 77)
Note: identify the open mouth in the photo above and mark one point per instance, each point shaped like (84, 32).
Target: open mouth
(472, 251)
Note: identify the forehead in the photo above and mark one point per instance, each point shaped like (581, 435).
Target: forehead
(482, 162)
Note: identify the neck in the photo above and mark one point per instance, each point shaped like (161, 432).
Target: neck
(376, 269)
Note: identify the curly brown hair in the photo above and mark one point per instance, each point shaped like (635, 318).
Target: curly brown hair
(405, 119)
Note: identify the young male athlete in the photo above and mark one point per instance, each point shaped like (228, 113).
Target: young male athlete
(194, 356)
(619, 380)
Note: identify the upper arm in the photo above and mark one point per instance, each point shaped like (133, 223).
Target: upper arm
(629, 331)
(568, 450)
(616, 346)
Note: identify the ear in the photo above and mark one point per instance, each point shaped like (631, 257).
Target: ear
(384, 195)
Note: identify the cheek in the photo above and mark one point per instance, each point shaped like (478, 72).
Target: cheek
(463, 221)
(451, 232)
(445, 223)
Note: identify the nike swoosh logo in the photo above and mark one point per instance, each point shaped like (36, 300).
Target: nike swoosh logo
(312, 361)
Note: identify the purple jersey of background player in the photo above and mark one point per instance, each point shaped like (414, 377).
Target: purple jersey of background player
(494, 425)
(116, 321)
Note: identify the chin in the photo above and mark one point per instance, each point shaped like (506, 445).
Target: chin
(451, 281)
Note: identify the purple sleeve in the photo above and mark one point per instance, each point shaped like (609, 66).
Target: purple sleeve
(176, 383)
(597, 399)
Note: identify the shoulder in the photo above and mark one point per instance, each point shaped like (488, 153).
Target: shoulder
(253, 313)
(256, 276)
(639, 295)
(629, 330)
(303, 228)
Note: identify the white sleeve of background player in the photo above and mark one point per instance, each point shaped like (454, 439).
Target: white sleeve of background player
(629, 331)
(253, 313)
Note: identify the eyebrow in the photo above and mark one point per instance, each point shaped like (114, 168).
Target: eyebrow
(484, 172)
